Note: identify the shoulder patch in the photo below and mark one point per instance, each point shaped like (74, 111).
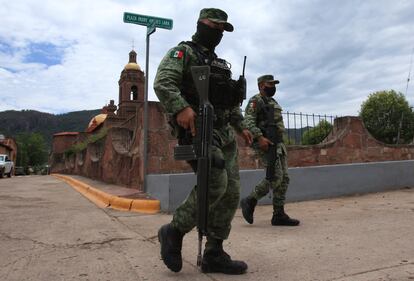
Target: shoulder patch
(251, 107)
(253, 104)
(178, 54)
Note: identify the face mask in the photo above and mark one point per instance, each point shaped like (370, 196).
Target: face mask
(208, 37)
(269, 91)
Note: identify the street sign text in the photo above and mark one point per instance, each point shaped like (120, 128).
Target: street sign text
(148, 20)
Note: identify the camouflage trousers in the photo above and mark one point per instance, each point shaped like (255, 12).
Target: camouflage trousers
(278, 186)
(223, 196)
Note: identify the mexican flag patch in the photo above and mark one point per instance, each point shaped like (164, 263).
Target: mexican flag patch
(177, 54)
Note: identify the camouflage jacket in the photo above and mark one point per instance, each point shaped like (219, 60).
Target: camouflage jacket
(173, 78)
(255, 117)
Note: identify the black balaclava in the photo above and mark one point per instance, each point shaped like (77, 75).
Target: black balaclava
(269, 91)
(207, 36)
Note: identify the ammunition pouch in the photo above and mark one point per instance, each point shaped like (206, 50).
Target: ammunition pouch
(224, 92)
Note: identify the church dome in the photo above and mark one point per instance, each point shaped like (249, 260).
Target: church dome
(132, 63)
(132, 66)
(96, 121)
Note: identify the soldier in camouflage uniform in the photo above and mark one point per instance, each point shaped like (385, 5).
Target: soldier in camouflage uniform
(255, 118)
(176, 91)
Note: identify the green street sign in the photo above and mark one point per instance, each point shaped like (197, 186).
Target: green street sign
(148, 20)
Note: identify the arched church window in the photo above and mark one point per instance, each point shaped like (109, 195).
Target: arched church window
(134, 93)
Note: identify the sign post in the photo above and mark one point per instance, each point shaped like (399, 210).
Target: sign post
(151, 23)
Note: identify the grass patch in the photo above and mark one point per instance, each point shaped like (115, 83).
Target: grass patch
(78, 147)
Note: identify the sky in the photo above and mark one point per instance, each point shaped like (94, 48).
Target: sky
(329, 55)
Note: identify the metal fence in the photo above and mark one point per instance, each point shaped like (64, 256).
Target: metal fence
(305, 129)
(302, 128)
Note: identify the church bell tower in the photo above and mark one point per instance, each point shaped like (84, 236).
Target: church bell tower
(131, 86)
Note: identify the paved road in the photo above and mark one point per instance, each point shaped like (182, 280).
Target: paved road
(48, 231)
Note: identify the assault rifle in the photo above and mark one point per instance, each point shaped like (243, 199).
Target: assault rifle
(272, 134)
(200, 150)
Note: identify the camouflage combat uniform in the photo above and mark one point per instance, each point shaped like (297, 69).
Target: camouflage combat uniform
(255, 122)
(173, 79)
(176, 91)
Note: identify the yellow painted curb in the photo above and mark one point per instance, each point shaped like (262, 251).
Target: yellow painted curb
(119, 203)
(146, 206)
(100, 196)
(105, 200)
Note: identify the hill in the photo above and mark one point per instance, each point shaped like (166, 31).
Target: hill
(14, 122)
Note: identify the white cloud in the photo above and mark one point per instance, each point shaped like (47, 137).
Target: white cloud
(328, 55)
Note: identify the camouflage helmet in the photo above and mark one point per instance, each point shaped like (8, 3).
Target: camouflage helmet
(267, 78)
(217, 16)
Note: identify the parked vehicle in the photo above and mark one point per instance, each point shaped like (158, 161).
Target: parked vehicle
(6, 166)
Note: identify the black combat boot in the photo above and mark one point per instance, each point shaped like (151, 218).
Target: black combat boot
(217, 260)
(247, 205)
(281, 218)
(171, 241)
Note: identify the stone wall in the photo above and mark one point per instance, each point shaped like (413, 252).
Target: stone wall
(109, 159)
(161, 144)
(118, 158)
(349, 142)
(62, 141)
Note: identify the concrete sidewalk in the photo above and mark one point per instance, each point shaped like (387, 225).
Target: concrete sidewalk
(112, 196)
(367, 238)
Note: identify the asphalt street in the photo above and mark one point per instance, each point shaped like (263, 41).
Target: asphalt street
(49, 231)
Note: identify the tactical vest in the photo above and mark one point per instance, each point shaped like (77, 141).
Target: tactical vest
(262, 122)
(223, 91)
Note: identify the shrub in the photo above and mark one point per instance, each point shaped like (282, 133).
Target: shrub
(317, 134)
(388, 117)
(80, 146)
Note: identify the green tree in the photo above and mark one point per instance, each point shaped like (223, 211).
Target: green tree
(31, 150)
(317, 134)
(388, 117)
(22, 159)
